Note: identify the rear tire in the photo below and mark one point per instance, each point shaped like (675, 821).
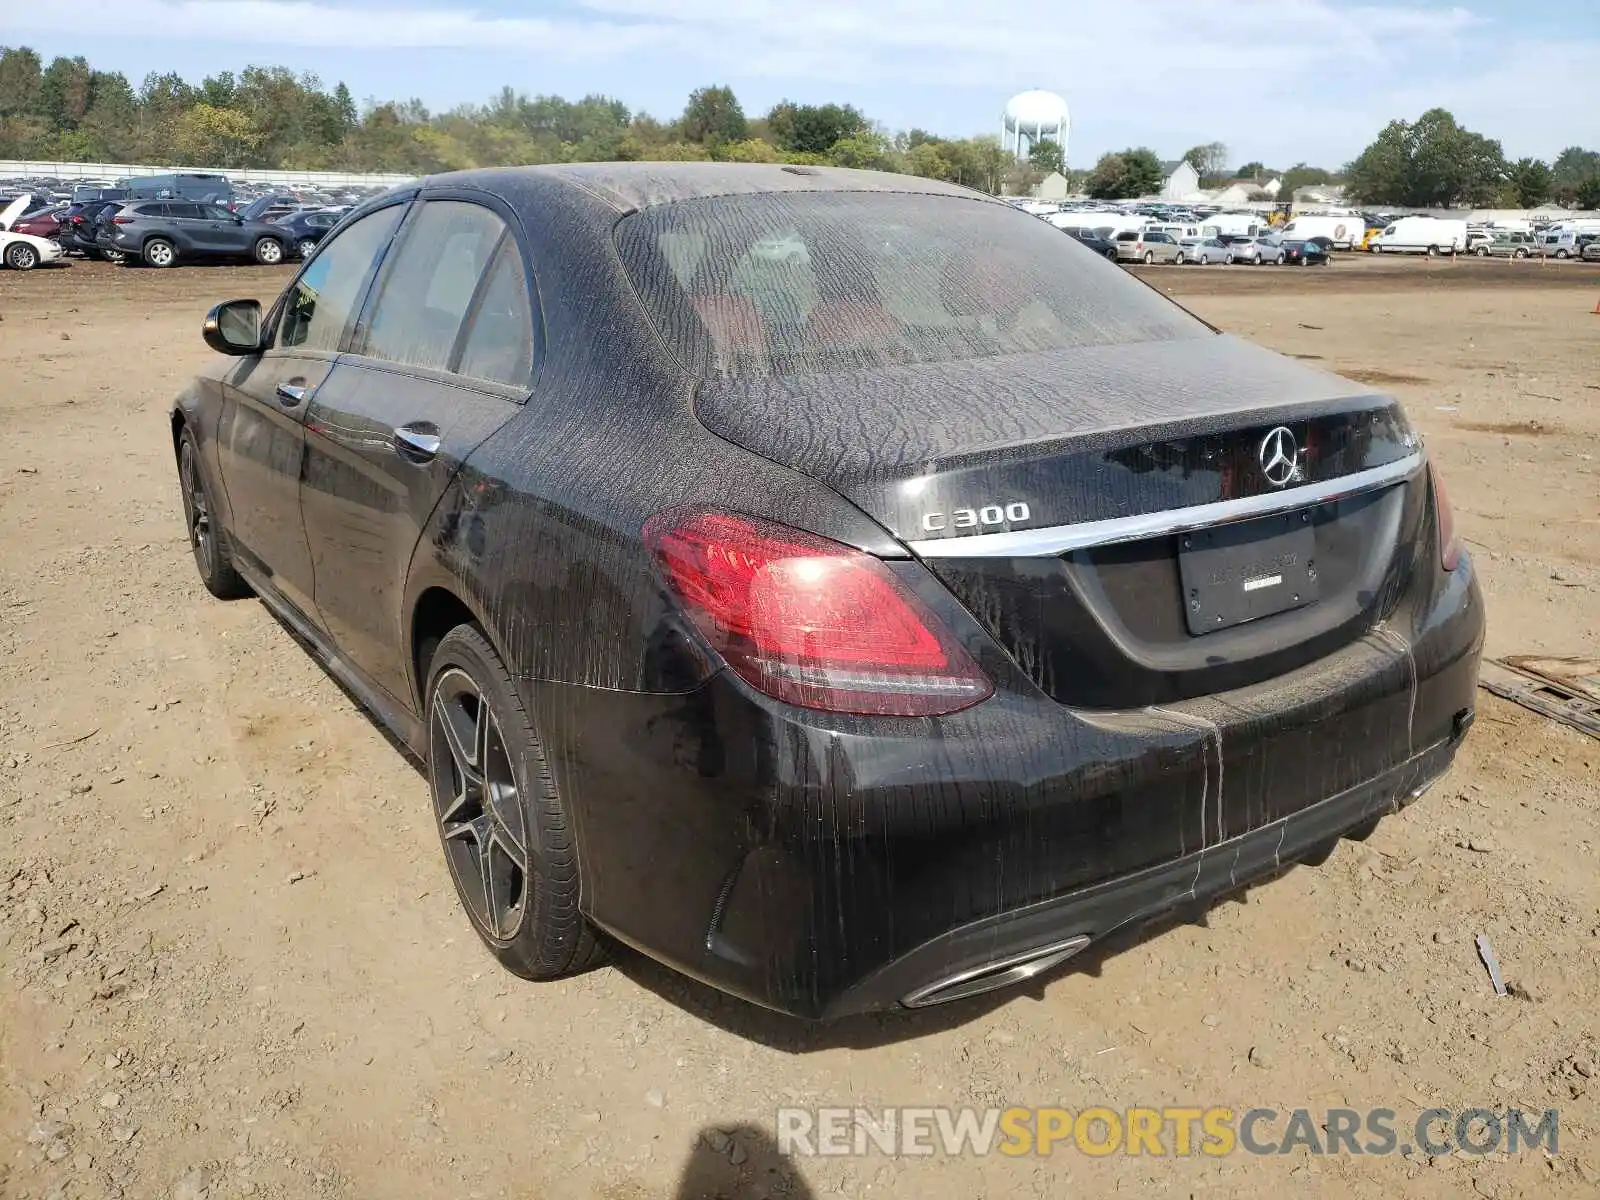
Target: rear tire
(1433, 252)
(21, 257)
(1519, 253)
(506, 834)
(207, 539)
(159, 252)
(1483, 252)
(1149, 257)
(1112, 254)
(267, 251)
(1561, 253)
(112, 256)
(305, 247)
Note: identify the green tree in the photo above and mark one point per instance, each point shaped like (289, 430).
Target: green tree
(344, 107)
(1209, 160)
(219, 90)
(1531, 180)
(751, 150)
(1251, 170)
(1570, 168)
(713, 115)
(1300, 175)
(927, 158)
(65, 92)
(213, 137)
(20, 75)
(1105, 182)
(1046, 156)
(1587, 192)
(813, 129)
(1430, 164)
(866, 151)
(1123, 176)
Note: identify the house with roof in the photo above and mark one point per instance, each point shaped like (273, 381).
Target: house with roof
(1179, 180)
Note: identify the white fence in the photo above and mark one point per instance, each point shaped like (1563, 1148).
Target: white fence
(19, 169)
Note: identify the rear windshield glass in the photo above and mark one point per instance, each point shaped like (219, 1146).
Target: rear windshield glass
(800, 283)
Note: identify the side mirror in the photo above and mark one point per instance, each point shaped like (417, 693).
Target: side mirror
(234, 327)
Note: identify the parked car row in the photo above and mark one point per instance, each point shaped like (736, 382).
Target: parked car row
(1157, 245)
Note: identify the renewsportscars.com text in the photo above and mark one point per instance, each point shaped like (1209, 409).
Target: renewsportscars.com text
(1176, 1131)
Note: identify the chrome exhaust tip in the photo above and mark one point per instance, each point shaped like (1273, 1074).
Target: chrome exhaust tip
(996, 974)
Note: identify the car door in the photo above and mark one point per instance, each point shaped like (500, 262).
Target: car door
(442, 356)
(223, 232)
(187, 226)
(261, 433)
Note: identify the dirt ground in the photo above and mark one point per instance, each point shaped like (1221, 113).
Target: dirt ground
(232, 963)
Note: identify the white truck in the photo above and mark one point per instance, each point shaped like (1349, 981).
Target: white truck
(1421, 235)
(1344, 232)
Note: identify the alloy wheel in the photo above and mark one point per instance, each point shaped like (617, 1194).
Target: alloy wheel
(477, 804)
(197, 511)
(23, 257)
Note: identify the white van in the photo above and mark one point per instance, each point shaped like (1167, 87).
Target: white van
(1561, 241)
(1344, 232)
(1241, 224)
(1422, 235)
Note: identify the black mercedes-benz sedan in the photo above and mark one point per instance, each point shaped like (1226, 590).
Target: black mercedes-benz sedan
(839, 586)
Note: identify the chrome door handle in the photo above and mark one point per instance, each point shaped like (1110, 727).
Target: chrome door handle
(416, 444)
(290, 394)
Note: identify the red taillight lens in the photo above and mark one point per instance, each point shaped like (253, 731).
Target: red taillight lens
(809, 621)
(122, 220)
(1449, 541)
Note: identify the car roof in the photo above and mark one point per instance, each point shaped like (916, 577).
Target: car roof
(628, 186)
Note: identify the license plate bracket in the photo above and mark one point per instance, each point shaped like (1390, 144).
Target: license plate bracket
(1251, 569)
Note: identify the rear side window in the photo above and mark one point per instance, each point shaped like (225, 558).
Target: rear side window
(322, 300)
(186, 211)
(499, 342)
(429, 284)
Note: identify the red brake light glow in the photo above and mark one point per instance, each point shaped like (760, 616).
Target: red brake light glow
(809, 621)
(1449, 540)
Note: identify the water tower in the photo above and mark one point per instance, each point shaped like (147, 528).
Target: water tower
(1030, 118)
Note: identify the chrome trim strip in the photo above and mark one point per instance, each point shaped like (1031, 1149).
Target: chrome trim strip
(1058, 539)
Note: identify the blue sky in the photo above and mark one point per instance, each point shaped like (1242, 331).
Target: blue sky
(1277, 80)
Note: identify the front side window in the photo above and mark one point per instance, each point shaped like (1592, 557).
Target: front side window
(428, 286)
(320, 302)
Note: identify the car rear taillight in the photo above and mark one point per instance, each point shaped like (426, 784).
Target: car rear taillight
(1449, 540)
(122, 220)
(812, 622)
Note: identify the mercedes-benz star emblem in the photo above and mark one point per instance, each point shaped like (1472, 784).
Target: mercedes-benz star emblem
(1280, 456)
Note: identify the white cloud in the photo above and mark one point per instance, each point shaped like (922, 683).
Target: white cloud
(1280, 80)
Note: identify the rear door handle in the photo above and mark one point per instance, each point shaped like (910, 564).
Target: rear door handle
(417, 443)
(290, 394)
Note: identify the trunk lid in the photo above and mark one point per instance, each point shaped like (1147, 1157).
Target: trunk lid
(1088, 505)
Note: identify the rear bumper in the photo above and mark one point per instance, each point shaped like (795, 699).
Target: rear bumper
(1094, 913)
(821, 864)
